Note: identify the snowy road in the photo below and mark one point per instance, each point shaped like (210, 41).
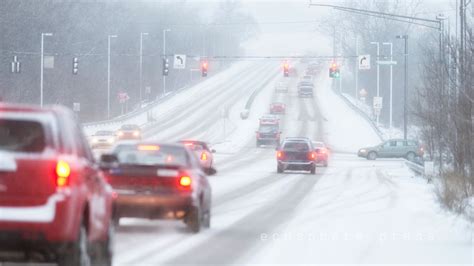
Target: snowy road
(354, 211)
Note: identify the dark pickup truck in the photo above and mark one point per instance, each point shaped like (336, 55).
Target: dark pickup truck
(296, 154)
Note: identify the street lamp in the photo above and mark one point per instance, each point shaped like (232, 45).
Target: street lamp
(108, 74)
(391, 82)
(141, 64)
(405, 37)
(42, 65)
(378, 73)
(164, 56)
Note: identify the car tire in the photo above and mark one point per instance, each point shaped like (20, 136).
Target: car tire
(411, 156)
(103, 254)
(279, 169)
(78, 253)
(206, 219)
(372, 155)
(194, 220)
(313, 169)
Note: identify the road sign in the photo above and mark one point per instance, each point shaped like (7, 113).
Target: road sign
(364, 62)
(179, 61)
(123, 97)
(378, 101)
(76, 107)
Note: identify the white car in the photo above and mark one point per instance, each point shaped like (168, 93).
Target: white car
(103, 139)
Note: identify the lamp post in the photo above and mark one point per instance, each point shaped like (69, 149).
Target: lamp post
(42, 65)
(405, 37)
(108, 74)
(378, 74)
(164, 56)
(391, 82)
(141, 64)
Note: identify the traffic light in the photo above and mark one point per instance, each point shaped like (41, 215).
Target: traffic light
(204, 67)
(75, 65)
(334, 71)
(166, 66)
(286, 69)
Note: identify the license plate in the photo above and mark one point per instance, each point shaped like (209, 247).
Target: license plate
(7, 163)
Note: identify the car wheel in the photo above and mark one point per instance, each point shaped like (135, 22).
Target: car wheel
(411, 156)
(103, 255)
(372, 156)
(206, 219)
(194, 219)
(77, 254)
(313, 169)
(279, 169)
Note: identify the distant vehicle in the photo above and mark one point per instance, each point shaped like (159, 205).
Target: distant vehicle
(394, 148)
(296, 154)
(202, 152)
(269, 120)
(281, 87)
(307, 78)
(268, 132)
(103, 138)
(277, 108)
(322, 153)
(159, 181)
(129, 132)
(305, 83)
(305, 91)
(55, 206)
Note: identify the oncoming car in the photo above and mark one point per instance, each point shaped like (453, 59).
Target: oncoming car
(158, 181)
(103, 139)
(394, 148)
(132, 132)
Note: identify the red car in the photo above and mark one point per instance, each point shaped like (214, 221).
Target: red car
(277, 108)
(202, 152)
(322, 153)
(159, 181)
(55, 206)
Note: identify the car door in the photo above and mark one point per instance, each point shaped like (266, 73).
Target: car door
(386, 150)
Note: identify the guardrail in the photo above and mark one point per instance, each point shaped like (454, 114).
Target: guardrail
(363, 114)
(245, 113)
(415, 167)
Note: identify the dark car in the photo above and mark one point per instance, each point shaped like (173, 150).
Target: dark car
(158, 181)
(296, 154)
(394, 148)
(55, 206)
(268, 133)
(305, 91)
(322, 153)
(130, 132)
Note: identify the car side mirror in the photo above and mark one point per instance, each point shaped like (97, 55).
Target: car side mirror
(108, 161)
(211, 171)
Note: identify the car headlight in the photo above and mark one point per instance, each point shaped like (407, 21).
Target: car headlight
(95, 140)
(120, 134)
(110, 140)
(362, 150)
(136, 133)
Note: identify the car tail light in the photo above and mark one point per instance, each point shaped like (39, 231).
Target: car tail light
(63, 171)
(258, 135)
(312, 155)
(136, 133)
(280, 155)
(185, 181)
(148, 148)
(203, 156)
(324, 151)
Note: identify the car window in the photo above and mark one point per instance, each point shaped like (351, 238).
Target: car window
(392, 143)
(401, 143)
(22, 135)
(151, 155)
(296, 146)
(268, 129)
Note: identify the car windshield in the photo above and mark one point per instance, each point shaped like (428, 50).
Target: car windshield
(151, 155)
(130, 127)
(22, 135)
(104, 133)
(298, 146)
(268, 129)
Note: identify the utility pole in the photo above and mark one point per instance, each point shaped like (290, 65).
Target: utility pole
(357, 69)
(405, 122)
(141, 65)
(164, 56)
(108, 74)
(391, 82)
(42, 66)
(378, 74)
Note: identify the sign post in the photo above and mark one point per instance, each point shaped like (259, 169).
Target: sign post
(378, 102)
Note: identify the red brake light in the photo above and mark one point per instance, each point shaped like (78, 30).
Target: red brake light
(185, 181)
(279, 155)
(63, 171)
(312, 155)
(203, 156)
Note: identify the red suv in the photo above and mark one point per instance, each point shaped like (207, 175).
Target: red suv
(55, 205)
